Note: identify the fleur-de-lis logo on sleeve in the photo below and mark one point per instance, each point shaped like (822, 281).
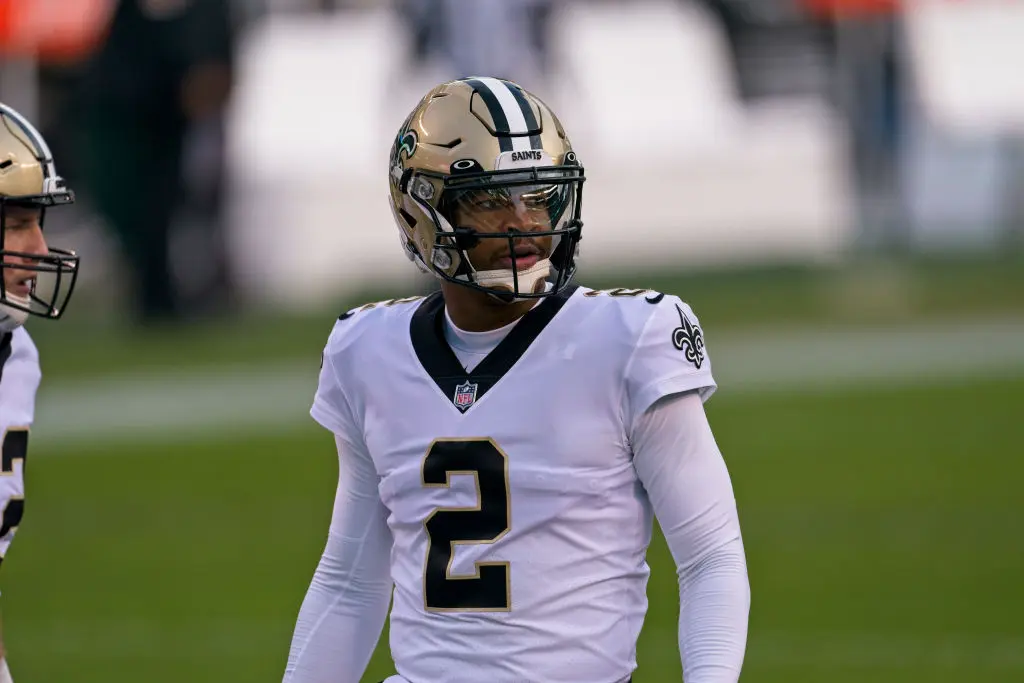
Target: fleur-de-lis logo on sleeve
(689, 339)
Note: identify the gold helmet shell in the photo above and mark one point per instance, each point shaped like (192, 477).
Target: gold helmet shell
(484, 134)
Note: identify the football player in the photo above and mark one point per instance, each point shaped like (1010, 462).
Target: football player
(37, 280)
(505, 443)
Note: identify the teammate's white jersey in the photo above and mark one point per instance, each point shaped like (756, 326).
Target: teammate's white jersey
(19, 380)
(520, 526)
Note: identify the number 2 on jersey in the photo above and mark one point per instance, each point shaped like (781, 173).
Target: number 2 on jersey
(488, 589)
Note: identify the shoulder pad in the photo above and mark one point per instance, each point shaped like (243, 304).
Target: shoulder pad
(387, 303)
(353, 324)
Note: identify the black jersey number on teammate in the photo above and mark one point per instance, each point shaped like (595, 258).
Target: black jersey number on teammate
(15, 447)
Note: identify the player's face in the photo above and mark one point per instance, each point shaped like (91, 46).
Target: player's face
(22, 233)
(503, 210)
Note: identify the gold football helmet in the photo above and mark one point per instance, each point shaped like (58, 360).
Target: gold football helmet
(28, 180)
(485, 152)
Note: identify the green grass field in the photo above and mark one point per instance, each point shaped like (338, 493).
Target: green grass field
(883, 528)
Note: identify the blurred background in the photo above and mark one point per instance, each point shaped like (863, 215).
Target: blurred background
(836, 186)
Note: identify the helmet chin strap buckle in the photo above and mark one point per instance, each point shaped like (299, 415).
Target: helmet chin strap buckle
(503, 282)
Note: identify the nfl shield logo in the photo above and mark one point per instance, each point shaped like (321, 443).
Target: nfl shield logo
(465, 395)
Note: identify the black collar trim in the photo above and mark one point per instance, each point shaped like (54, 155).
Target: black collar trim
(463, 388)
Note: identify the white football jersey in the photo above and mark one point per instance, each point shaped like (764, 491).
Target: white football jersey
(19, 380)
(520, 527)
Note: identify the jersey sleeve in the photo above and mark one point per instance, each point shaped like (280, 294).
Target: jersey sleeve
(669, 357)
(688, 484)
(331, 407)
(346, 604)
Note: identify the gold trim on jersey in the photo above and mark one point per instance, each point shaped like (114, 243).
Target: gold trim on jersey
(4, 472)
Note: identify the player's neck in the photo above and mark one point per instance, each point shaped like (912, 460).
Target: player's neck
(473, 311)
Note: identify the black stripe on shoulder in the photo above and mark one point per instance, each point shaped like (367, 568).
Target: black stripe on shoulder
(378, 304)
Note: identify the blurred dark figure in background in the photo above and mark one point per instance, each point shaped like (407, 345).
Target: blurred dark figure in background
(871, 80)
(164, 74)
(426, 26)
(846, 53)
(774, 47)
(494, 37)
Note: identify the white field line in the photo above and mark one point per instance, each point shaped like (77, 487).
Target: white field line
(260, 397)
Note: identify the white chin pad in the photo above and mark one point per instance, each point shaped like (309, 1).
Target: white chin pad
(13, 318)
(503, 279)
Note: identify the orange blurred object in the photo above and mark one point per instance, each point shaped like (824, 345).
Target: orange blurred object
(848, 9)
(53, 31)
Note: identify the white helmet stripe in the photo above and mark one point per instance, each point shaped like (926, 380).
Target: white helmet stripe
(513, 112)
